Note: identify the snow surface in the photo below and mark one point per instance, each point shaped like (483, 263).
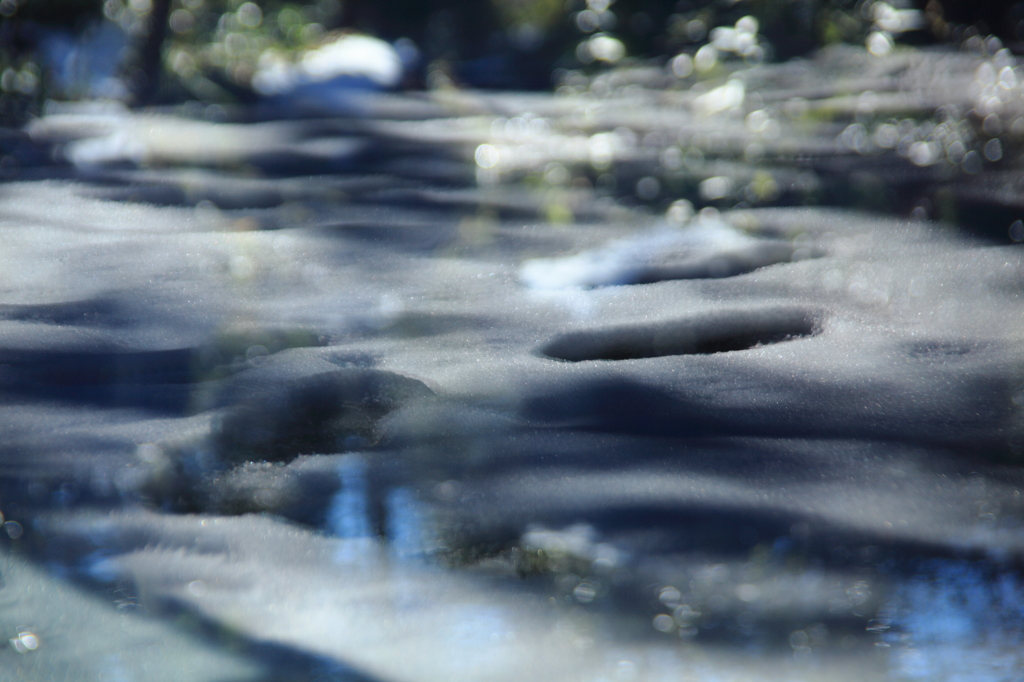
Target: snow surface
(395, 425)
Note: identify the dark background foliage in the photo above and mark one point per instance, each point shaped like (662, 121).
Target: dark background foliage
(507, 44)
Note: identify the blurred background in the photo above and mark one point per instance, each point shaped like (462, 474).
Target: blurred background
(894, 107)
(146, 52)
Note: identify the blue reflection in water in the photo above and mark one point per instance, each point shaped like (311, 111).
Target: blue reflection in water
(348, 516)
(955, 622)
(408, 526)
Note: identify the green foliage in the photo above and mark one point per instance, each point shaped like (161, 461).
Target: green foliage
(214, 46)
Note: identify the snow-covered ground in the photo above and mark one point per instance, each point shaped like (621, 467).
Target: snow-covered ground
(464, 390)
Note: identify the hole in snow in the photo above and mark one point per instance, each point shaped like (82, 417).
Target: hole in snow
(719, 333)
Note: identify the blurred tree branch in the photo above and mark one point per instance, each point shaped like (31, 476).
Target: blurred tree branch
(144, 75)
